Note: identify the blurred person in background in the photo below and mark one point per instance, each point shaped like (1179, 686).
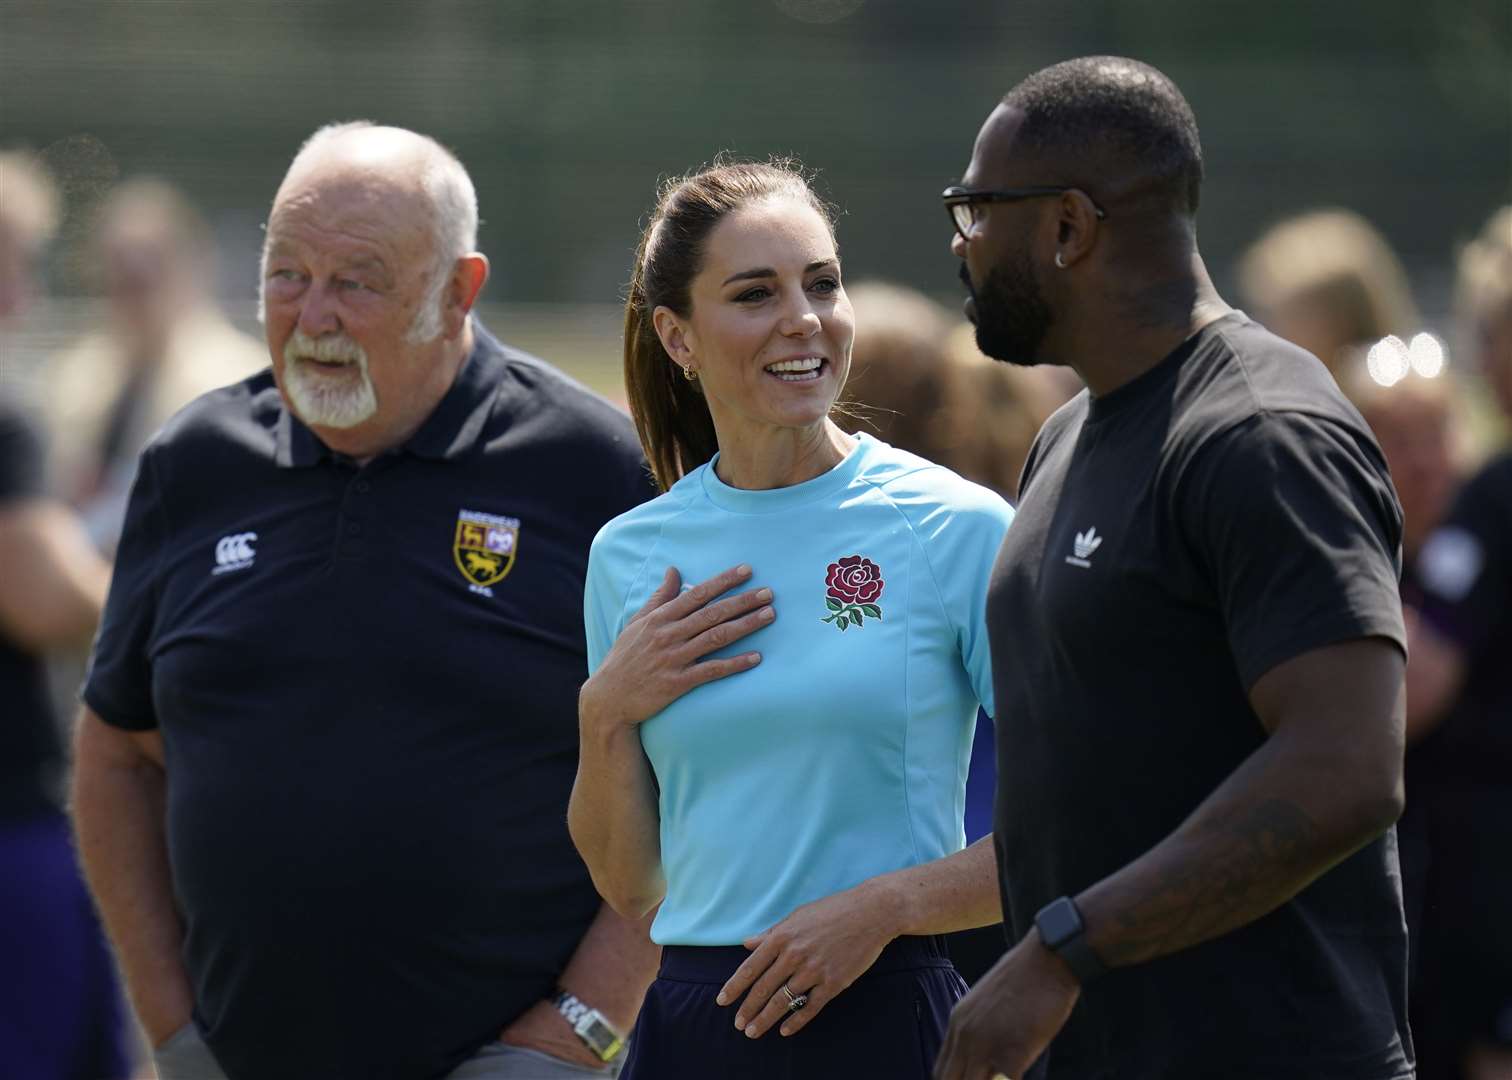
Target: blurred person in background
(165, 343)
(920, 381)
(1420, 425)
(1460, 697)
(1004, 406)
(330, 720)
(60, 1009)
(1197, 636)
(1328, 281)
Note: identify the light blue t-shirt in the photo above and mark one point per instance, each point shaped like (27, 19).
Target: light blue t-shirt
(843, 754)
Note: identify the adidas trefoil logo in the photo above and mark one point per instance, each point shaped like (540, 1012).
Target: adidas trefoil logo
(1086, 543)
(234, 552)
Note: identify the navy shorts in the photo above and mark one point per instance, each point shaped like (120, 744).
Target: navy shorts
(888, 1024)
(61, 1013)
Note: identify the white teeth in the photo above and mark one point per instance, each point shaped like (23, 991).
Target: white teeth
(806, 363)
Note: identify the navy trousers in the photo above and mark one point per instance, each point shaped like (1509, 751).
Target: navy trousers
(888, 1024)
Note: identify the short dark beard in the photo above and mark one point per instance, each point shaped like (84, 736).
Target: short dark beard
(1012, 317)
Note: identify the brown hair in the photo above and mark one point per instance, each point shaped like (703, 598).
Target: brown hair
(670, 413)
(1484, 285)
(1338, 261)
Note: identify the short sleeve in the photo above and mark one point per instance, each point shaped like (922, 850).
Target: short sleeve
(21, 455)
(1294, 522)
(118, 684)
(1466, 565)
(961, 538)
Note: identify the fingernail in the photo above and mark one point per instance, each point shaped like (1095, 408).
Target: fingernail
(751, 1032)
(767, 614)
(763, 595)
(720, 999)
(742, 569)
(739, 1021)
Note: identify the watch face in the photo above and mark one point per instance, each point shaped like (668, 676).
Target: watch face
(603, 1038)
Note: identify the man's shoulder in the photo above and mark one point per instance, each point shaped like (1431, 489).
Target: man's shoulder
(239, 418)
(1243, 376)
(556, 395)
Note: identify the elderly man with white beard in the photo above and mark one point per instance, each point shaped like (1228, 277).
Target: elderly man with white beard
(330, 721)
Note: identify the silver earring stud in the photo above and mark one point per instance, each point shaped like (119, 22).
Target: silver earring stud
(1060, 261)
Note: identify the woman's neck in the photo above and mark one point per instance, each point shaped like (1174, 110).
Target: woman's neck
(781, 458)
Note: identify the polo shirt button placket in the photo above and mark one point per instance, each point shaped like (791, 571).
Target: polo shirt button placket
(354, 508)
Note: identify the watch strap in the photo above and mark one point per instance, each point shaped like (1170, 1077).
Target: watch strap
(590, 1026)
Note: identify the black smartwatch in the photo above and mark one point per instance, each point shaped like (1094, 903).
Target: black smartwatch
(595, 1031)
(1061, 929)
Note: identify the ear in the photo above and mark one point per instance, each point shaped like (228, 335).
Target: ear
(1076, 227)
(468, 275)
(675, 334)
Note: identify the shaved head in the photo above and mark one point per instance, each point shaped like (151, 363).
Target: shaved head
(403, 158)
(1115, 127)
(399, 165)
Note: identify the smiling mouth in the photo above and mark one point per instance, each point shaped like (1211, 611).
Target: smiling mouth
(326, 365)
(800, 369)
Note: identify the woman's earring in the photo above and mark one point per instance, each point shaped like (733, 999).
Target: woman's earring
(690, 374)
(1060, 261)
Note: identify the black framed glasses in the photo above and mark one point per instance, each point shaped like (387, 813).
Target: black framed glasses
(961, 203)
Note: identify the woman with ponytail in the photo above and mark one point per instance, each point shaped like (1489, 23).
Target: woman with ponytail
(787, 789)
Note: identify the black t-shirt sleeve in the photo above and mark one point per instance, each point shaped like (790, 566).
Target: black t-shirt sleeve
(118, 685)
(1297, 531)
(1466, 565)
(20, 455)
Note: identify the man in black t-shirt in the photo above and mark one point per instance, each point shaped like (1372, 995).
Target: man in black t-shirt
(1196, 637)
(331, 715)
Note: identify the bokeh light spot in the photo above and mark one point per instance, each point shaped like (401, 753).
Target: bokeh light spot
(1426, 354)
(1388, 360)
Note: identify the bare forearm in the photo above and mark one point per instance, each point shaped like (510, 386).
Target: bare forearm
(957, 892)
(613, 965)
(118, 815)
(1282, 819)
(54, 583)
(613, 819)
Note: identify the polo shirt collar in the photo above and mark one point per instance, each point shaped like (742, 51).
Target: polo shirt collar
(452, 428)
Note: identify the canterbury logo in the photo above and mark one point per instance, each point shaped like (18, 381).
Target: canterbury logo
(234, 552)
(1086, 543)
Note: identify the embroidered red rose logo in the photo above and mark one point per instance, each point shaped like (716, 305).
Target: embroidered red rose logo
(851, 588)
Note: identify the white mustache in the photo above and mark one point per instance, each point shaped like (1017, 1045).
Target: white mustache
(329, 347)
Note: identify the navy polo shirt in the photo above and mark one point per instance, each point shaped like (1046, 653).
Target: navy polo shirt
(366, 681)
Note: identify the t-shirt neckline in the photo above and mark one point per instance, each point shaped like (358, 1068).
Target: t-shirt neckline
(772, 500)
(1147, 383)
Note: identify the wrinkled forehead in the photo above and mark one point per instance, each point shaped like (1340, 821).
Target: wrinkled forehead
(327, 205)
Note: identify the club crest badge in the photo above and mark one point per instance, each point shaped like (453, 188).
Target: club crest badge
(485, 547)
(852, 587)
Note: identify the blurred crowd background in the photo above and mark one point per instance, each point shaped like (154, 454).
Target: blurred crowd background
(1357, 158)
